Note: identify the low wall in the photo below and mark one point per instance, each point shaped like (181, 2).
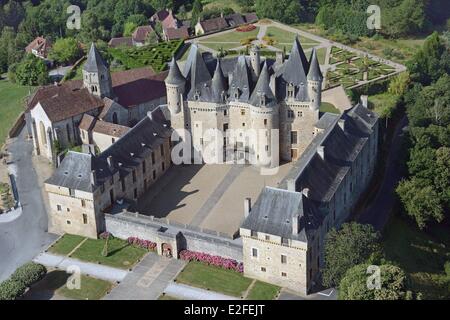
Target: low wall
(18, 125)
(126, 225)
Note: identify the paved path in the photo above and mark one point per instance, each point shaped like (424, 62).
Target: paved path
(377, 213)
(214, 198)
(184, 292)
(148, 279)
(87, 268)
(26, 236)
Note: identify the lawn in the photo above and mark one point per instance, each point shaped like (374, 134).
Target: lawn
(382, 102)
(421, 254)
(286, 37)
(230, 36)
(219, 4)
(321, 54)
(215, 279)
(328, 107)
(263, 291)
(66, 244)
(121, 254)
(12, 97)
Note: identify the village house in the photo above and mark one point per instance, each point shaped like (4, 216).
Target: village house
(39, 47)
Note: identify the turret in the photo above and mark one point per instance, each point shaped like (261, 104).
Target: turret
(175, 84)
(218, 84)
(96, 75)
(255, 60)
(315, 79)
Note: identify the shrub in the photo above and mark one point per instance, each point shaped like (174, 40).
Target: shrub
(29, 273)
(217, 261)
(145, 244)
(447, 269)
(247, 41)
(11, 290)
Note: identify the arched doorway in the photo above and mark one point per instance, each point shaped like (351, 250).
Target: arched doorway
(167, 250)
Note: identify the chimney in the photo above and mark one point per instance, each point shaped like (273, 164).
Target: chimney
(364, 101)
(295, 224)
(321, 152)
(341, 124)
(247, 206)
(93, 178)
(110, 163)
(305, 192)
(279, 59)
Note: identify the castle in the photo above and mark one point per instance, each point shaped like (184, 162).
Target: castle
(248, 94)
(281, 238)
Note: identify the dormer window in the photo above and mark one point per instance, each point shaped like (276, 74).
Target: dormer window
(290, 90)
(262, 99)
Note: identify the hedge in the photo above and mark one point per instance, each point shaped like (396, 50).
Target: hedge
(22, 278)
(10, 289)
(29, 273)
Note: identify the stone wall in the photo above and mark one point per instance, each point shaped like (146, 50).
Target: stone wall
(126, 225)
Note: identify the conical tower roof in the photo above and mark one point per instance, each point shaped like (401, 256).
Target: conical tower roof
(314, 68)
(218, 81)
(94, 62)
(175, 76)
(262, 88)
(296, 67)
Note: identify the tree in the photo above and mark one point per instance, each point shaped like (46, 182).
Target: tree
(32, 71)
(394, 284)
(65, 50)
(353, 244)
(399, 84)
(129, 28)
(287, 11)
(197, 9)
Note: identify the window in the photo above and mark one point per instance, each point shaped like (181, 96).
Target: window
(83, 203)
(283, 259)
(284, 274)
(290, 114)
(134, 175)
(243, 124)
(68, 209)
(242, 112)
(135, 193)
(154, 174)
(163, 166)
(294, 137)
(162, 150)
(72, 192)
(267, 238)
(153, 158)
(265, 122)
(85, 221)
(254, 234)
(58, 207)
(300, 113)
(113, 140)
(284, 241)
(143, 167)
(254, 252)
(68, 222)
(225, 112)
(263, 269)
(123, 184)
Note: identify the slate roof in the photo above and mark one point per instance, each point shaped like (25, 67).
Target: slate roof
(175, 77)
(127, 152)
(314, 68)
(219, 84)
(275, 210)
(241, 82)
(323, 176)
(263, 88)
(95, 62)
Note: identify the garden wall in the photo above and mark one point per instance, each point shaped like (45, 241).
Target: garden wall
(127, 224)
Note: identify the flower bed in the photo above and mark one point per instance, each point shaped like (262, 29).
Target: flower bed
(246, 28)
(141, 243)
(217, 261)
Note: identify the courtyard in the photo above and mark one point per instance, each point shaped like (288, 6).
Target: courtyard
(208, 196)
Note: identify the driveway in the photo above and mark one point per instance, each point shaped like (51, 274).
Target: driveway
(377, 213)
(26, 236)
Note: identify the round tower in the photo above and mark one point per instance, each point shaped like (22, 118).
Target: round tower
(255, 60)
(315, 79)
(175, 84)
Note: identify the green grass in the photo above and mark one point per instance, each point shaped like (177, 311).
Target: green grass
(321, 54)
(421, 254)
(121, 254)
(217, 45)
(382, 102)
(12, 98)
(263, 291)
(66, 244)
(219, 4)
(328, 107)
(283, 36)
(215, 279)
(56, 282)
(231, 36)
